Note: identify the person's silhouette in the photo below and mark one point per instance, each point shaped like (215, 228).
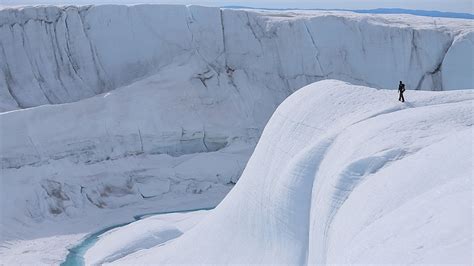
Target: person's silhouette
(401, 90)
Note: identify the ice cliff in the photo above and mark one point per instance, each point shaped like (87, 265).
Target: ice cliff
(164, 137)
(345, 175)
(51, 55)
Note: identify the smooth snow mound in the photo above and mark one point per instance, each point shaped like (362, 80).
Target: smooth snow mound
(345, 174)
(142, 234)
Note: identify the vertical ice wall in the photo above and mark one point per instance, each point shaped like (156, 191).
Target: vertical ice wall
(63, 54)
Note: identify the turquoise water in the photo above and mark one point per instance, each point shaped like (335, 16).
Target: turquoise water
(75, 257)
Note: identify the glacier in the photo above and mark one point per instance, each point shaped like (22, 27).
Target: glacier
(52, 55)
(374, 182)
(110, 111)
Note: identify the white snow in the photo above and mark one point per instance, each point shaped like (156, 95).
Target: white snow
(344, 174)
(27, 242)
(118, 148)
(457, 72)
(55, 55)
(110, 111)
(129, 151)
(142, 234)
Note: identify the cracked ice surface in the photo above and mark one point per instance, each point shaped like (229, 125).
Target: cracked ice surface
(148, 140)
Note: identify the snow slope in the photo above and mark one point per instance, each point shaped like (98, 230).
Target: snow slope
(345, 174)
(55, 55)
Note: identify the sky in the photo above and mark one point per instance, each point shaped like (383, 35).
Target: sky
(465, 6)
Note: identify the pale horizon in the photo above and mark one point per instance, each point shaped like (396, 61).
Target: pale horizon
(459, 6)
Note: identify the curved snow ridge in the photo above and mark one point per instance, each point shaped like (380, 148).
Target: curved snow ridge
(51, 55)
(138, 235)
(337, 169)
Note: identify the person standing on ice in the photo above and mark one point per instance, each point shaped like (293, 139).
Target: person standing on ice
(401, 90)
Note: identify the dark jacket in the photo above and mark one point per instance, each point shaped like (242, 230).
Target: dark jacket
(401, 88)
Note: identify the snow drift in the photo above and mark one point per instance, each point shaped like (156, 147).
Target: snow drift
(343, 174)
(51, 55)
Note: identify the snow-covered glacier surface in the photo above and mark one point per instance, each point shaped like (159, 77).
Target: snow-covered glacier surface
(112, 111)
(343, 175)
(51, 55)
